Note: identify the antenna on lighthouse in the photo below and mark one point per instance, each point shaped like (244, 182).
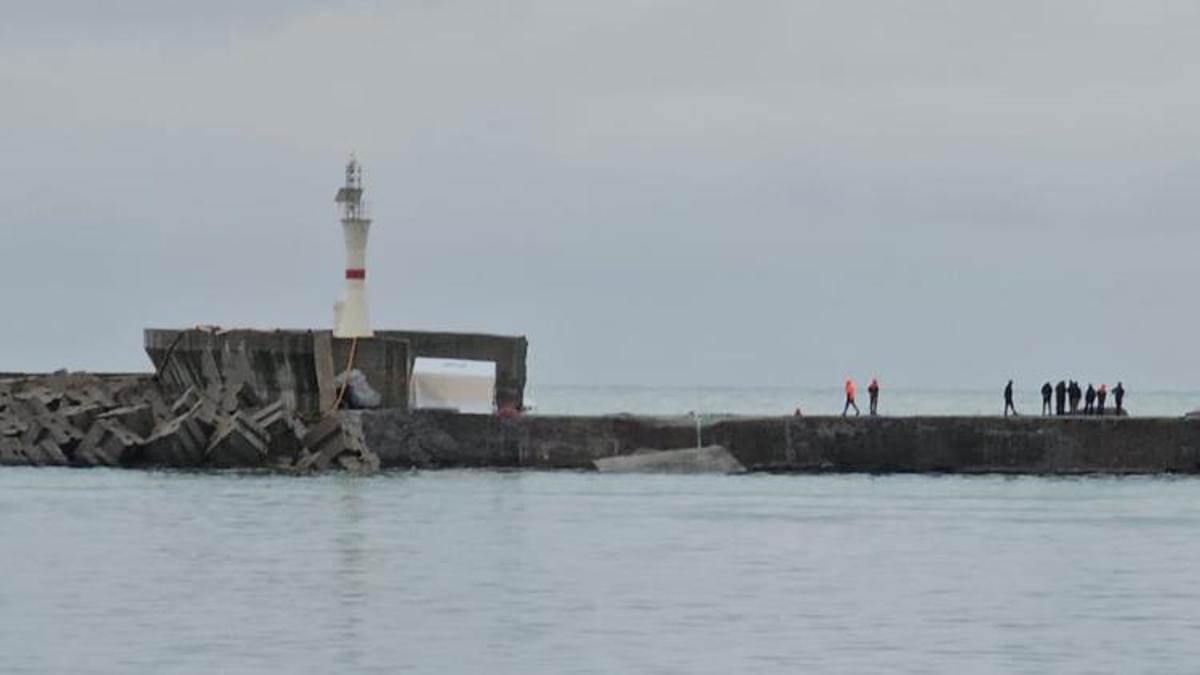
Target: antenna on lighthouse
(350, 313)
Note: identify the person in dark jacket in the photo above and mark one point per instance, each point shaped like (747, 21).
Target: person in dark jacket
(873, 392)
(1119, 398)
(1074, 393)
(1008, 400)
(1060, 398)
(1101, 396)
(1047, 392)
(1089, 400)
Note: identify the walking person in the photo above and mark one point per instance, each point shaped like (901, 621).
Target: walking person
(1047, 392)
(1101, 395)
(850, 399)
(1089, 400)
(1119, 398)
(873, 392)
(1008, 400)
(1060, 398)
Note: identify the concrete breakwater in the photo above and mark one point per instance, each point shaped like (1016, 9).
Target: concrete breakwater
(79, 419)
(901, 444)
(135, 421)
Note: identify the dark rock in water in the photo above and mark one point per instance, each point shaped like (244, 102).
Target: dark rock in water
(712, 459)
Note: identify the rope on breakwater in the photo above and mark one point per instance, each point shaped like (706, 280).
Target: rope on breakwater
(337, 402)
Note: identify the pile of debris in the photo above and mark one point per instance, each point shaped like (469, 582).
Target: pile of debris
(73, 419)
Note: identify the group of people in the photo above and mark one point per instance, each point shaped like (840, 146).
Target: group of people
(1061, 399)
(872, 392)
(1066, 397)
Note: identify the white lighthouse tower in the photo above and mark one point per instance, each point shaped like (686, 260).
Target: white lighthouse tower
(350, 313)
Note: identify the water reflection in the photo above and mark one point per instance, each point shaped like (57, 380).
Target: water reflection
(350, 575)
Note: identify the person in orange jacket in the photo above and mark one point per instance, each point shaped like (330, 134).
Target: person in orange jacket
(850, 400)
(873, 392)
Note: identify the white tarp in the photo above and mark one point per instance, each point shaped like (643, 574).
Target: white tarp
(457, 384)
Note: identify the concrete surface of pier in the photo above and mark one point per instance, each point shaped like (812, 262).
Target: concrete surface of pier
(912, 444)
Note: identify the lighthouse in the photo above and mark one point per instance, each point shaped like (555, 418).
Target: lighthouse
(350, 313)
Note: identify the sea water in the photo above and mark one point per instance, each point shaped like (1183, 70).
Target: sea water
(136, 572)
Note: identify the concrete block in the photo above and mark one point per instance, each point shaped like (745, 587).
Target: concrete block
(107, 443)
(139, 418)
(12, 452)
(285, 432)
(238, 396)
(135, 394)
(321, 432)
(47, 397)
(238, 443)
(58, 430)
(189, 399)
(34, 432)
(47, 453)
(92, 393)
(33, 406)
(81, 415)
(332, 438)
(11, 424)
(181, 442)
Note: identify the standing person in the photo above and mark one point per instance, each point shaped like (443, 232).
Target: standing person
(1060, 398)
(873, 392)
(1101, 395)
(1089, 400)
(1074, 393)
(850, 399)
(1008, 400)
(1119, 398)
(1047, 392)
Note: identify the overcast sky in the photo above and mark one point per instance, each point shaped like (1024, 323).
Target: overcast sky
(943, 193)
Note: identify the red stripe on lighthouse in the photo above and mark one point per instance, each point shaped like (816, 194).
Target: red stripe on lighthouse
(356, 274)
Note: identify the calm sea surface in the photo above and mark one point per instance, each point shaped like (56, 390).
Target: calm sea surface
(108, 571)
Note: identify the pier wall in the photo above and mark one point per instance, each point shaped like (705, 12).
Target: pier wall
(299, 366)
(914, 444)
(283, 365)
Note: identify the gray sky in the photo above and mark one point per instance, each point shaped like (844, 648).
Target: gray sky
(943, 193)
